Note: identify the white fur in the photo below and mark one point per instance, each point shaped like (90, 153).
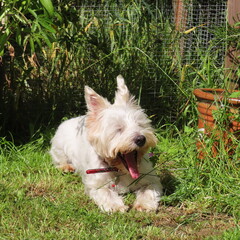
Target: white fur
(94, 140)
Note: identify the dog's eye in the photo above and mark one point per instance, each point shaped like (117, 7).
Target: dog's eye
(119, 129)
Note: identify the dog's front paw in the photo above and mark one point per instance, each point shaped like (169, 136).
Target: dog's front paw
(66, 168)
(115, 208)
(145, 207)
(108, 200)
(148, 198)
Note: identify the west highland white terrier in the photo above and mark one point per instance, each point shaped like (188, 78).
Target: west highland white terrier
(108, 148)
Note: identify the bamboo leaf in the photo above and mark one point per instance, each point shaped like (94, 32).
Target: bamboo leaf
(111, 34)
(46, 25)
(46, 39)
(3, 40)
(18, 36)
(35, 25)
(96, 22)
(37, 40)
(47, 4)
(32, 46)
(21, 19)
(88, 26)
(25, 41)
(58, 16)
(3, 15)
(193, 28)
(33, 13)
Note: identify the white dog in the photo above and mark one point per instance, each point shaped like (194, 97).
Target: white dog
(108, 147)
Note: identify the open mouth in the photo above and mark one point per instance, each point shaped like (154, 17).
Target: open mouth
(129, 160)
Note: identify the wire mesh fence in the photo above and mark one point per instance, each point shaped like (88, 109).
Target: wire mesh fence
(205, 16)
(198, 19)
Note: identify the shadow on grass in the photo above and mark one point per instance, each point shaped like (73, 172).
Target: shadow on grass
(169, 182)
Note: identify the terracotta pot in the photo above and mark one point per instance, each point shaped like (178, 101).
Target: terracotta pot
(208, 101)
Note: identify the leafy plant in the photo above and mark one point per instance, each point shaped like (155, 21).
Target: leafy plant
(55, 52)
(27, 25)
(86, 49)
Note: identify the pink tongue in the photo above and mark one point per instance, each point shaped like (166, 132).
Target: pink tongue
(132, 164)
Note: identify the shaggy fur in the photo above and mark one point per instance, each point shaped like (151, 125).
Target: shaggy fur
(117, 135)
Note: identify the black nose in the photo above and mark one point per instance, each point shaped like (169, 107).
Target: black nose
(140, 140)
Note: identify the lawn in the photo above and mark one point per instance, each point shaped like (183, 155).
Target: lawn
(49, 53)
(40, 202)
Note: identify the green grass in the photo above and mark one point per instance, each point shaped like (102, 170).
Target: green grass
(39, 202)
(202, 198)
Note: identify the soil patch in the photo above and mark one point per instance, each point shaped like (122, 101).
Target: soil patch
(191, 224)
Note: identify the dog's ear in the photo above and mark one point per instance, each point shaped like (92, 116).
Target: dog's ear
(122, 95)
(95, 102)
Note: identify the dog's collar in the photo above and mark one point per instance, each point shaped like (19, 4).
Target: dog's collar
(102, 170)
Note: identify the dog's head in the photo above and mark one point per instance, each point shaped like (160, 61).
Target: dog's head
(120, 132)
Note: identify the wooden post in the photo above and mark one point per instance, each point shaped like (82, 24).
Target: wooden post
(232, 60)
(180, 15)
(180, 20)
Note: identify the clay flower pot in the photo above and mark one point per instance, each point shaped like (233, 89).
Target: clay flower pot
(209, 102)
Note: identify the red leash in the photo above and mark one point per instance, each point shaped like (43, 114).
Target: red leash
(102, 170)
